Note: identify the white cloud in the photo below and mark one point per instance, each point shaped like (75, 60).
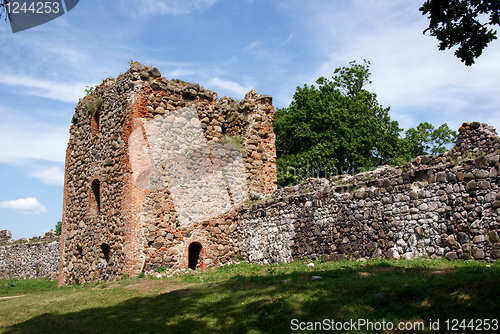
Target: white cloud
(66, 92)
(52, 176)
(23, 138)
(24, 205)
(170, 7)
(409, 74)
(254, 45)
(23, 144)
(228, 85)
(290, 37)
(180, 73)
(66, 52)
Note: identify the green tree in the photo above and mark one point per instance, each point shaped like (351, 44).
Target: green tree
(58, 228)
(338, 127)
(424, 139)
(457, 23)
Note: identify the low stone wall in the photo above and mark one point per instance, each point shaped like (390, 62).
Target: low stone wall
(445, 205)
(29, 260)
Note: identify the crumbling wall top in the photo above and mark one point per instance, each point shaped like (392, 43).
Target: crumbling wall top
(477, 146)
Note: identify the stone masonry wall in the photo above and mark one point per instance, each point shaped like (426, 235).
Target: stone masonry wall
(158, 173)
(445, 205)
(37, 257)
(146, 160)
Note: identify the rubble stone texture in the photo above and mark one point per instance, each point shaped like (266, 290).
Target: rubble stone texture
(155, 166)
(33, 258)
(444, 205)
(5, 236)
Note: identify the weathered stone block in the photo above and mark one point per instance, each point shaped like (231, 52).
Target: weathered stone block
(441, 177)
(482, 174)
(479, 239)
(451, 256)
(471, 185)
(477, 254)
(493, 237)
(462, 237)
(393, 254)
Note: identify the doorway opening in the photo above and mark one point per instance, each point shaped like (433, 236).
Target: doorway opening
(194, 254)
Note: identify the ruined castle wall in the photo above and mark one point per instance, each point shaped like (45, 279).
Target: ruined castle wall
(34, 258)
(203, 156)
(154, 165)
(446, 205)
(158, 170)
(94, 215)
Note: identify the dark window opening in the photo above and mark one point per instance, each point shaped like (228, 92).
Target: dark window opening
(97, 195)
(96, 122)
(105, 251)
(194, 254)
(79, 249)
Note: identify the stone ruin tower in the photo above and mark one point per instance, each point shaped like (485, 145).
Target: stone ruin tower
(155, 171)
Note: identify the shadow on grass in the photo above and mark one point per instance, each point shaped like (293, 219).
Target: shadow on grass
(267, 303)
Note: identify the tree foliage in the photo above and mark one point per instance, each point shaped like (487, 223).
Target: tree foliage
(58, 228)
(457, 23)
(339, 127)
(424, 139)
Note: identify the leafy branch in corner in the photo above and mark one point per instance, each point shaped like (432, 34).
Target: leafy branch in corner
(4, 4)
(456, 23)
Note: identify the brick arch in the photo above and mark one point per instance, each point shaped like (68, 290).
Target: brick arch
(195, 254)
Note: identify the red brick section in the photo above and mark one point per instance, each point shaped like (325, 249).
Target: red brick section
(133, 197)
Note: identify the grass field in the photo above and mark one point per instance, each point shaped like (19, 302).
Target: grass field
(248, 298)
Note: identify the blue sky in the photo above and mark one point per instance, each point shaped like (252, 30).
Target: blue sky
(228, 46)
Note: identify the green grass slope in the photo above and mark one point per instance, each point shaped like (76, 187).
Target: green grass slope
(249, 298)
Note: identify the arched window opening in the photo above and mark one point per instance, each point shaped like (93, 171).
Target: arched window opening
(79, 251)
(96, 198)
(105, 251)
(96, 122)
(194, 254)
